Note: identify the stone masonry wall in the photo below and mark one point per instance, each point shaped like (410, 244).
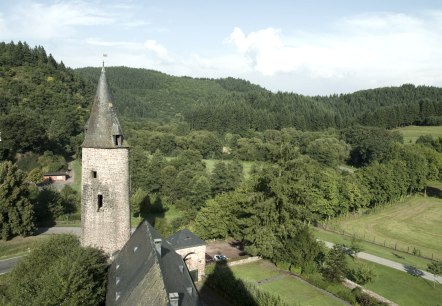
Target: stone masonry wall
(195, 259)
(108, 227)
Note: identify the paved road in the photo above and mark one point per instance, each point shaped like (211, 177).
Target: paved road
(394, 265)
(58, 230)
(7, 264)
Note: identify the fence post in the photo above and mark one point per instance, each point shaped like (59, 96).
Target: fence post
(395, 246)
(384, 242)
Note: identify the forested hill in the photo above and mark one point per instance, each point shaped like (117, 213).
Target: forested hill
(234, 105)
(155, 95)
(390, 107)
(42, 103)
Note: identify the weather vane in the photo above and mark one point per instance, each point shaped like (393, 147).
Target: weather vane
(104, 55)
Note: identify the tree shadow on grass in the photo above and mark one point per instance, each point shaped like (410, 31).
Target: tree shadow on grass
(434, 192)
(397, 255)
(413, 271)
(222, 280)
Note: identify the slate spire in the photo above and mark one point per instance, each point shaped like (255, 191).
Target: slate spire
(103, 129)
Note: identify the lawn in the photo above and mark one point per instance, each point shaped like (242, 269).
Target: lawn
(403, 288)
(412, 133)
(378, 250)
(247, 165)
(19, 245)
(291, 290)
(413, 223)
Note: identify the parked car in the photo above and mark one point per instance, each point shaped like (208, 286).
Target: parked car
(220, 257)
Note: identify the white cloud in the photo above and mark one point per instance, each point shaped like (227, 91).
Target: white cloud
(388, 49)
(56, 20)
(157, 49)
(120, 44)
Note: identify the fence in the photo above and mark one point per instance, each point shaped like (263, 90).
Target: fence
(393, 245)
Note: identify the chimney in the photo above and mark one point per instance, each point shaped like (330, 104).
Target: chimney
(174, 298)
(158, 245)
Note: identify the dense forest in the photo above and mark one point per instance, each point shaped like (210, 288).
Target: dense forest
(236, 106)
(43, 106)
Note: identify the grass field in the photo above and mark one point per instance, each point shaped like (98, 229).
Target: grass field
(291, 290)
(403, 288)
(414, 223)
(411, 133)
(19, 245)
(378, 250)
(247, 165)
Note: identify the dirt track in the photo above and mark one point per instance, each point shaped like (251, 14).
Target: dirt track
(231, 249)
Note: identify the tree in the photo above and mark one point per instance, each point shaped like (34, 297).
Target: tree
(436, 269)
(328, 151)
(200, 191)
(16, 213)
(226, 176)
(59, 272)
(48, 206)
(22, 132)
(362, 274)
(139, 202)
(213, 220)
(301, 249)
(335, 264)
(35, 176)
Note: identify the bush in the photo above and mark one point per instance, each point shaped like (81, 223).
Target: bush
(364, 299)
(362, 274)
(59, 272)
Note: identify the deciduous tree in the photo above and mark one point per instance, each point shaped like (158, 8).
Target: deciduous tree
(16, 212)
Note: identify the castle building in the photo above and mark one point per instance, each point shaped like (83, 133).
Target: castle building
(145, 269)
(105, 210)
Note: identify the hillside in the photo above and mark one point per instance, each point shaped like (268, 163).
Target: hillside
(43, 104)
(234, 105)
(142, 93)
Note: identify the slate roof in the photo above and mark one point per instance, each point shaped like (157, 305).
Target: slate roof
(140, 275)
(103, 123)
(184, 239)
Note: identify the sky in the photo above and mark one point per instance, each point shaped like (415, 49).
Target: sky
(308, 47)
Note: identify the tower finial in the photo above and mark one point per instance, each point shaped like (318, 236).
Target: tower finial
(104, 55)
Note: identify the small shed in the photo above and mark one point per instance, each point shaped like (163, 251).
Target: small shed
(55, 176)
(193, 251)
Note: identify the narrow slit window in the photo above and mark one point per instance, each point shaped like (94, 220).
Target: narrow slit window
(94, 174)
(118, 140)
(100, 201)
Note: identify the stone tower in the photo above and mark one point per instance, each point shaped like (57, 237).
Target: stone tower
(105, 212)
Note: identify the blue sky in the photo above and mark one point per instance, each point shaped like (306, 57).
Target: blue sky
(307, 47)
